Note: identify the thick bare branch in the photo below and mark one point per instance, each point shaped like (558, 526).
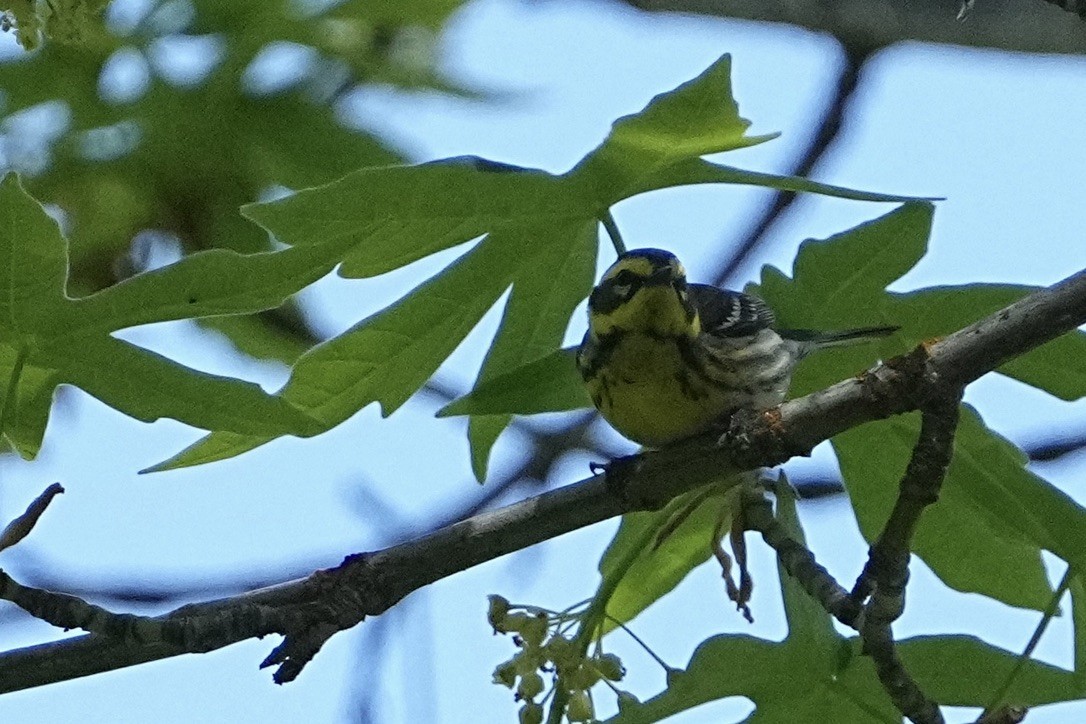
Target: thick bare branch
(1031, 26)
(369, 583)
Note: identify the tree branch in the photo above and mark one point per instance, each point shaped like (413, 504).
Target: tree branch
(824, 138)
(887, 571)
(1023, 25)
(797, 560)
(1078, 7)
(307, 610)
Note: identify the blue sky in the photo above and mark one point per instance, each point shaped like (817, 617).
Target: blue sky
(993, 133)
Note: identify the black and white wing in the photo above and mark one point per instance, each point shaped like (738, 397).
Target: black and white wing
(725, 313)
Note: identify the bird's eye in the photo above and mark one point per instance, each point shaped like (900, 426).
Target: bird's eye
(622, 290)
(624, 278)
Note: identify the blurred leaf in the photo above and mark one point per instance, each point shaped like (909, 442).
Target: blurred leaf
(160, 164)
(163, 162)
(26, 22)
(427, 13)
(62, 21)
(167, 164)
(50, 339)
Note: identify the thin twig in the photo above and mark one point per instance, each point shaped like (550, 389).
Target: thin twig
(797, 560)
(20, 528)
(1042, 625)
(887, 570)
(825, 136)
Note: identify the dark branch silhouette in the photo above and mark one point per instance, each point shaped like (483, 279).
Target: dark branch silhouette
(309, 611)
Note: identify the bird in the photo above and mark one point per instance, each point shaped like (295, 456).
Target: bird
(664, 359)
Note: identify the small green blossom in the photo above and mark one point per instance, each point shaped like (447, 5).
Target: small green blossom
(580, 707)
(531, 714)
(531, 686)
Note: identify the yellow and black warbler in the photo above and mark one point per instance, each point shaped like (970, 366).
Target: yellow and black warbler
(664, 359)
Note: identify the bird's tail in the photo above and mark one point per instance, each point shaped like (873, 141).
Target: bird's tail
(819, 339)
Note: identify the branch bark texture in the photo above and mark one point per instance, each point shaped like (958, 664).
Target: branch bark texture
(1032, 26)
(310, 610)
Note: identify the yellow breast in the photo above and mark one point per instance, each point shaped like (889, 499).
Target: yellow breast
(647, 393)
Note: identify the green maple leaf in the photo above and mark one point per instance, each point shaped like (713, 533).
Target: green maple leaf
(816, 674)
(994, 517)
(539, 239)
(47, 338)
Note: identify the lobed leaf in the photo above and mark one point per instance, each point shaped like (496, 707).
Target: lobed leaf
(48, 339)
(987, 531)
(838, 283)
(660, 146)
(536, 316)
(661, 563)
(810, 676)
(1058, 367)
(387, 357)
(691, 171)
(1078, 618)
(538, 236)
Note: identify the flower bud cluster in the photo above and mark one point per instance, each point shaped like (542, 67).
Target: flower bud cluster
(544, 649)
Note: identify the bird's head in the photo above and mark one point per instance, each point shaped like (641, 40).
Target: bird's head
(643, 291)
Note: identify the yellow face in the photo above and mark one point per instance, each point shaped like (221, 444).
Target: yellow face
(643, 291)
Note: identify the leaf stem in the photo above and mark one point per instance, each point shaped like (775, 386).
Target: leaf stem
(645, 646)
(615, 235)
(1042, 625)
(595, 614)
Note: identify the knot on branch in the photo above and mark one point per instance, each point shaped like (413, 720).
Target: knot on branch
(757, 439)
(910, 381)
(336, 599)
